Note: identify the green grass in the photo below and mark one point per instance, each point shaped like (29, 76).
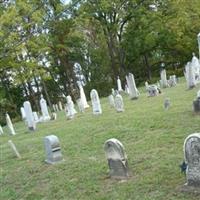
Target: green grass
(153, 139)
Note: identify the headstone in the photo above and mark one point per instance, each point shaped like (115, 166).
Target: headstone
(12, 145)
(44, 109)
(57, 109)
(167, 103)
(196, 103)
(60, 106)
(190, 76)
(96, 106)
(70, 108)
(83, 97)
(52, 149)
(172, 81)
(23, 113)
(117, 159)
(152, 90)
(111, 100)
(54, 107)
(113, 92)
(53, 116)
(146, 85)
(35, 116)
(80, 104)
(196, 66)
(10, 125)
(133, 91)
(127, 89)
(163, 76)
(29, 116)
(1, 130)
(119, 85)
(192, 159)
(119, 104)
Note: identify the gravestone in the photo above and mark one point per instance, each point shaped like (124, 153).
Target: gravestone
(117, 159)
(163, 76)
(192, 159)
(70, 108)
(83, 97)
(152, 90)
(80, 104)
(53, 116)
(167, 103)
(44, 109)
(111, 100)
(35, 116)
(119, 84)
(119, 104)
(52, 149)
(10, 125)
(96, 106)
(54, 107)
(172, 81)
(1, 130)
(29, 116)
(23, 113)
(127, 89)
(190, 76)
(196, 103)
(113, 92)
(57, 109)
(60, 106)
(12, 145)
(196, 67)
(133, 91)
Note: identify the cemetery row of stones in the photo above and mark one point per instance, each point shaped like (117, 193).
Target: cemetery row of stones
(114, 150)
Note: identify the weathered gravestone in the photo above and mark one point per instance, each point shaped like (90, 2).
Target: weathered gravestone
(10, 125)
(44, 109)
(23, 114)
(163, 76)
(196, 103)
(172, 81)
(119, 104)
(70, 108)
(96, 106)
(192, 159)
(52, 149)
(119, 84)
(152, 90)
(1, 130)
(80, 104)
(60, 106)
(111, 100)
(29, 116)
(133, 91)
(117, 159)
(13, 147)
(83, 97)
(167, 103)
(190, 75)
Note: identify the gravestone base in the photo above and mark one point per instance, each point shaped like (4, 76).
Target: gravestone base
(56, 158)
(196, 106)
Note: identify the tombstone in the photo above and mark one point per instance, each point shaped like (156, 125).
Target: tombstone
(172, 81)
(53, 116)
(52, 149)
(146, 85)
(23, 113)
(10, 125)
(35, 116)
(1, 130)
(119, 104)
(133, 91)
(192, 159)
(83, 97)
(56, 106)
(12, 145)
(127, 89)
(111, 100)
(152, 90)
(113, 92)
(60, 106)
(167, 103)
(70, 108)
(96, 106)
(29, 116)
(196, 103)
(196, 67)
(117, 159)
(119, 85)
(81, 106)
(163, 77)
(44, 109)
(190, 76)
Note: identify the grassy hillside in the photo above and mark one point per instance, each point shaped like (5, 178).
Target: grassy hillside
(153, 139)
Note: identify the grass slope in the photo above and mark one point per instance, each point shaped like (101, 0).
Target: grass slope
(153, 139)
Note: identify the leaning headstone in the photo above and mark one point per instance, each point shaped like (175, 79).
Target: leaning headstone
(119, 104)
(133, 91)
(44, 109)
(167, 103)
(163, 76)
(70, 108)
(12, 145)
(117, 159)
(196, 103)
(111, 100)
(29, 116)
(1, 130)
(83, 97)
(119, 84)
(192, 159)
(10, 125)
(52, 149)
(23, 113)
(96, 106)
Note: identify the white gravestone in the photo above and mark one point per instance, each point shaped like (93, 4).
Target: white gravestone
(196, 66)
(1, 130)
(133, 91)
(119, 84)
(80, 104)
(152, 90)
(12, 145)
(119, 104)
(35, 116)
(111, 100)
(127, 89)
(117, 159)
(70, 108)
(96, 106)
(113, 92)
(163, 76)
(29, 116)
(10, 125)
(60, 106)
(192, 159)
(23, 113)
(52, 149)
(83, 97)
(172, 81)
(57, 109)
(44, 109)
(190, 76)
(53, 116)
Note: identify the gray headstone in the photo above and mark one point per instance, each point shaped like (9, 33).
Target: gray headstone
(167, 103)
(196, 103)
(192, 159)
(52, 149)
(117, 159)
(96, 106)
(119, 104)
